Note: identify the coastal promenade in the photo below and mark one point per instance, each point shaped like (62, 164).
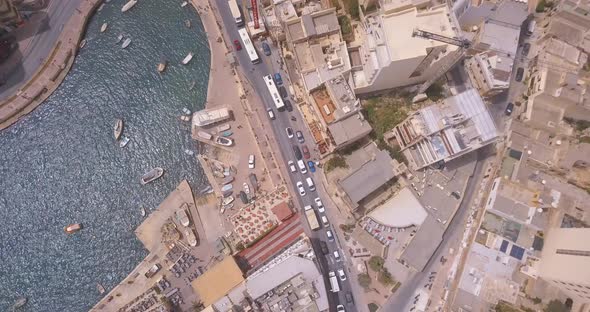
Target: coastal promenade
(52, 70)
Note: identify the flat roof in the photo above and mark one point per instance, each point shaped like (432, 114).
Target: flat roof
(400, 211)
(209, 116)
(349, 129)
(369, 177)
(500, 38)
(282, 211)
(218, 280)
(566, 255)
(421, 248)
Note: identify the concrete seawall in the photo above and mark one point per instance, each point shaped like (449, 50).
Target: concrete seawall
(53, 70)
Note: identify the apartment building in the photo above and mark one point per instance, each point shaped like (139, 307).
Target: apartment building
(444, 131)
(390, 56)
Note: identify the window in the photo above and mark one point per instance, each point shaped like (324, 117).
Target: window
(583, 253)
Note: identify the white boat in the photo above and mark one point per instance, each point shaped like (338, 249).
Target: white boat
(143, 213)
(126, 43)
(72, 228)
(228, 200)
(188, 58)
(187, 23)
(128, 5)
(162, 65)
(118, 128)
(19, 303)
(183, 4)
(193, 84)
(246, 188)
(186, 111)
(152, 175)
(82, 43)
(190, 237)
(119, 38)
(182, 217)
(100, 7)
(124, 141)
(185, 118)
(189, 152)
(223, 141)
(104, 26)
(100, 288)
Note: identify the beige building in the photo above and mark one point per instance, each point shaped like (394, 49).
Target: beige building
(388, 54)
(565, 261)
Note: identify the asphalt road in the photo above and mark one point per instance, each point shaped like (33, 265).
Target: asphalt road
(38, 48)
(254, 74)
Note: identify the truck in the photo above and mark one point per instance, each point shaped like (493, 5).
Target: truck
(334, 282)
(235, 12)
(311, 218)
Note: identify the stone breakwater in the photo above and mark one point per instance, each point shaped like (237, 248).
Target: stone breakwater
(52, 71)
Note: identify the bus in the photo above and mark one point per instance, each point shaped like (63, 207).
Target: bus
(272, 89)
(531, 28)
(235, 12)
(249, 46)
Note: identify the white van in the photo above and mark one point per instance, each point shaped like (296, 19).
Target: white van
(325, 221)
(301, 166)
(310, 184)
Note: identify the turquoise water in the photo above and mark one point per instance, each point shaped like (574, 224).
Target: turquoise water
(60, 164)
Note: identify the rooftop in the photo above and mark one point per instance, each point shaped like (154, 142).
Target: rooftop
(400, 211)
(371, 175)
(282, 211)
(218, 280)
(566, 255)
(210, 116)
(424, 244)
(349, 129)
(500, 38)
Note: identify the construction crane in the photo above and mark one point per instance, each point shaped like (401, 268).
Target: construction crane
(462, 43)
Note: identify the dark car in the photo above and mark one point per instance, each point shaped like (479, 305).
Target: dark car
(300, 137)
(283, 92)
(311, 166)
(519, 74)
(237, 45)
(297, 152)
(306, 152)
(288, 105)
(349, 299)
(278, 79)
(525, 49)
(324, 247)
(509, 109)
(266, 48)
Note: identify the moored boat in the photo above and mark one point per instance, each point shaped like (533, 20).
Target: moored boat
(162, 65)
(100, 7)
(186, 111)
(118, 128)
(82, 43)
(223, 141)
(143, 212)
(228, 200)
(152, 175)
(183, 4)
(119, 38)
(73, 228)
(19, 303)
(185, 118)
(100, 288)
(126, 43)
(191, 238)
(124, 141)
(187, 58)
(128, 5)
(104, 27)
(187, 23)
(189, 152)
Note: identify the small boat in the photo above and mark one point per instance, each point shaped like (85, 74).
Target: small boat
(190, 237)
(100, 288)
(128, 5)
(126, 43)
(185, 118)
(208, 189)
(227, 188)
(124, 141)
(228, 200)
(162, 65)
(183, 4)
(223, 141)
(204, 135)
(19, 303)
(82, 43)
(187, 58)
(192, 86)
(227, 133)
(223, 127)
(152, 175)
(186, 111)
(143, 213)
(100, 7)
(244, 197)
(246, 188)
(119, 38)
(227, 180)
(187, 23)
(104, 27)
(118, 128)
(189, 152)
(73, 228)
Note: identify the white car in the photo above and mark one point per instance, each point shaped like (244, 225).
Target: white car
(337, 256)
(292, 166)
(341, 275)
(320, 205)
(289, 132)
(300, 188)
(251, 161)
(301, 166)
(340, 308)
(330, 236)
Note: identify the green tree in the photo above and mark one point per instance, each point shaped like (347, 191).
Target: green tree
(385, 278)
(337, 161)
(376, 263)
(364, 280)
(556, 306)
(505, 307)
(198, 306)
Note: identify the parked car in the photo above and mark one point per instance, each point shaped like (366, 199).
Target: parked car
(324, 248)
(271, 113)
(266, 48)
(320, 205)
(526, 48)
(300, 188)
(509, 108)
(278, 79)
(301, 166)
(292, 166)
(288, 105)
(519, 74)
(337, 256)
(341, 275)
(340, 308)
(348, 297)
(306, 153)
(329, 235)
(300, 137)
(297, 152)
(283, 92)
(237, 45)
(289, 132)
(251, 161)
(311, 166)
